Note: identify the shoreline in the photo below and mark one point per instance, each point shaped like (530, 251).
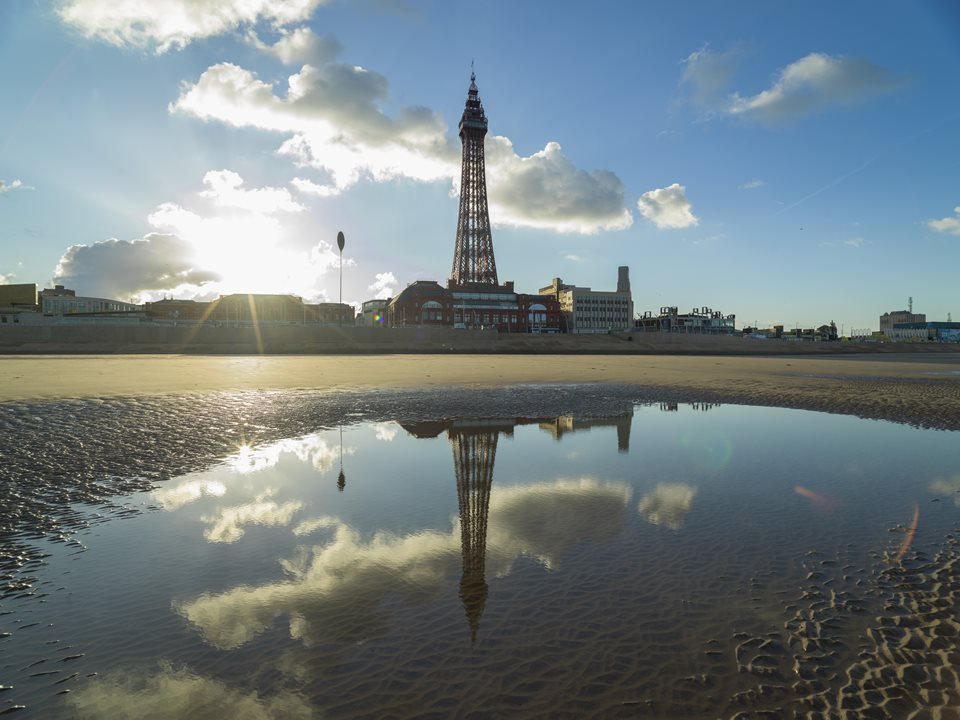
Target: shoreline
(923, 390)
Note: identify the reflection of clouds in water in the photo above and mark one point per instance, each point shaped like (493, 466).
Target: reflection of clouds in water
(335, 590)
(312, 449)
(172, 498)
(171, 694)
(385, 431)
(946, 486)
(667, 504)
(226, 524)
(308, 527)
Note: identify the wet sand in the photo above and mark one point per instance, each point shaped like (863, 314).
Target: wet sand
(917, 389)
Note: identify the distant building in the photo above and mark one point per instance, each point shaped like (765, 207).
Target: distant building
(584, 310)
(20, 296)
(701, 321)
(895, 317)
(64, 301)
(248, 308)
(925, 332)
(424, 302)
(373, 313)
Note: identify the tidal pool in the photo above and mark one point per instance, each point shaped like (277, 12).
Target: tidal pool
(664, 560)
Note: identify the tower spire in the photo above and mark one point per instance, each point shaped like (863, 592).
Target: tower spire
(473, 260)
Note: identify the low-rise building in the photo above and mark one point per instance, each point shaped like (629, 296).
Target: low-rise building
(925, 332)
(19, 297)
(702, 320)
(373, 313)
(584, 310)
(897, 317)
(64, 301)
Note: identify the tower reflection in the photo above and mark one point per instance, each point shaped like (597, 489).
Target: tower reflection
(474, 445)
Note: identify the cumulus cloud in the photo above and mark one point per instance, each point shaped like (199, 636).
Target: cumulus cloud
(383, 286)
(165, 24)
(950, 225)
(751, 185)
(668, 208)
(811, 84)
(300, 46)
(239, 243)
(225, 188)
(170, 693)
(546, 190)
(386, 431)
(128, 268)
(6, 279)
(854, 242)
(335, 125)
(335, 592)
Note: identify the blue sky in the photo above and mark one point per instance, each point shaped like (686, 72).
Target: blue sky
(791, 163)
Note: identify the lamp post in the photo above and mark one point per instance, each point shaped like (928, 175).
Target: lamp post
(341, 241)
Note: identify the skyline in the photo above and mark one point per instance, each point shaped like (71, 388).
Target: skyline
(155, 150)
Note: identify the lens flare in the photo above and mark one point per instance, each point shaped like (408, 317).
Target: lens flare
(911, 531)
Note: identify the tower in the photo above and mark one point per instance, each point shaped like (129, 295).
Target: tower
(473, 260)
(474, 452)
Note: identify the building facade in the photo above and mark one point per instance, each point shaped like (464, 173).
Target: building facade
(699, 320)
(373, 313)
(248, 308)
(584, 310)
(896, 317)
(63, 301)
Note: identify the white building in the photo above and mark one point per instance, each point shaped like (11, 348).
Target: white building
(63, 301)
(585, 310)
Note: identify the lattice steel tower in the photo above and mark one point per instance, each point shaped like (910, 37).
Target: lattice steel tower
(474, 453)
(473, 260)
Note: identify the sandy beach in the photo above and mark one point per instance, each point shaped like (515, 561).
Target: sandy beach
(920, 389)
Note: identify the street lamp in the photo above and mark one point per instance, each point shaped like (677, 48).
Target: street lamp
(341, 241)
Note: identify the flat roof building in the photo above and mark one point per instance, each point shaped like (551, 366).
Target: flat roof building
(585, 311)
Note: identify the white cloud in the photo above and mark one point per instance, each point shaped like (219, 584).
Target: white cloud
(546, 190)
(225, 188)
(6, 279)
(166, 24)
(811, 84)
(226, 525)
(383, 286)
(300, 46)
(751, 185)
(386, 432)
(347, 579)
(668, 208)
(174, 497)
(854, 242)
(308, 187)
(667, 504)
(573, 258)
(950, 225)
(239, 244)
(11, 186)
(335, 125)
(178, 694)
